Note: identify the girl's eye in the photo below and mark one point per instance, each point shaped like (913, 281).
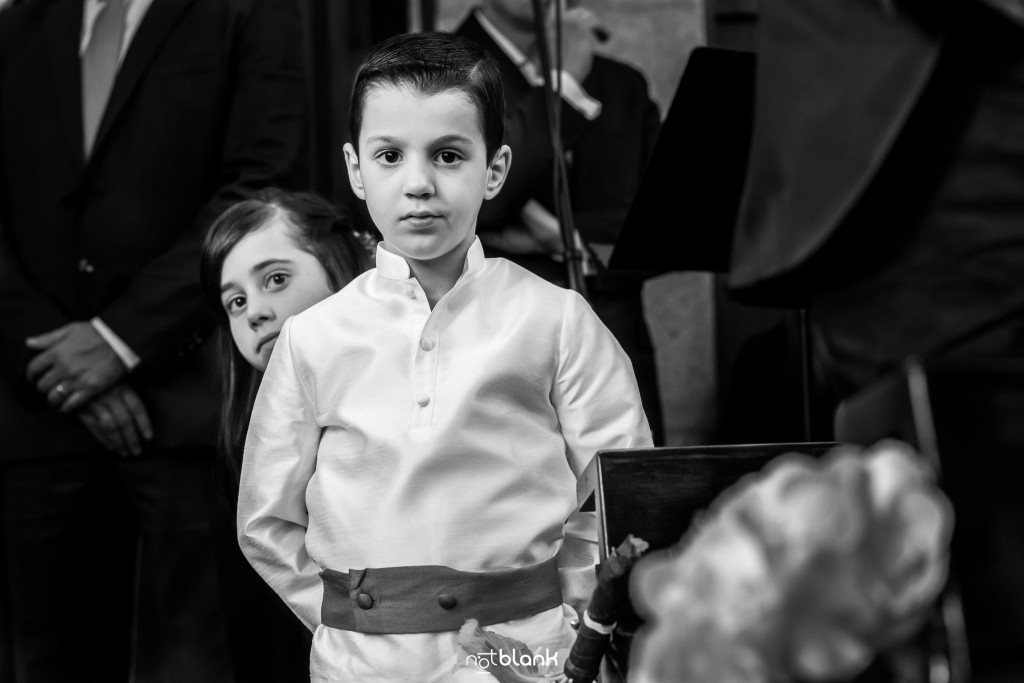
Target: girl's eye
(234, 304)
(449, 157)
(277, 280)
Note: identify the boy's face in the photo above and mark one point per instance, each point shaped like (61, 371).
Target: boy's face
(423, 170)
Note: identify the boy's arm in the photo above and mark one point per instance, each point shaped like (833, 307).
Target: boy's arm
(598, 405)
(595, 393)
(279, 459)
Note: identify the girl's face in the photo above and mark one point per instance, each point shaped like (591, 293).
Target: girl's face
(266, 278)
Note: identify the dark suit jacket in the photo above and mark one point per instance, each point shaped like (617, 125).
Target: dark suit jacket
(209, 104)
(835, 84)
(608, 154)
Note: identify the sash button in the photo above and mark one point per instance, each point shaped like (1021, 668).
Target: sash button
(446, 600)
(364, 600)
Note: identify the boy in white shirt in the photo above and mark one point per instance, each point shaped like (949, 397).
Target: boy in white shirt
(415, 447)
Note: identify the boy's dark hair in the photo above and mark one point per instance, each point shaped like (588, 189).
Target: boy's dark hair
(318, 228)
(431, 63)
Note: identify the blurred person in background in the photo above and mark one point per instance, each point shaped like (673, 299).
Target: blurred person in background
(126, 127)
(885, 192)
(609, 127)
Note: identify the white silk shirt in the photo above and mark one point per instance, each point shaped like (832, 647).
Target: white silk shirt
(387, 434)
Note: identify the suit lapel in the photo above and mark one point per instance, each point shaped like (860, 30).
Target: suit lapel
(158, 22)
(63, 34)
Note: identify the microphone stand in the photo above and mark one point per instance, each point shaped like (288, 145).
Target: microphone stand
(552, 100)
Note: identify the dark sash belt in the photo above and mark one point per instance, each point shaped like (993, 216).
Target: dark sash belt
(432, 598)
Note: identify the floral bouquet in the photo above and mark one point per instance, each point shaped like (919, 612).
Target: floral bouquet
(804, 571)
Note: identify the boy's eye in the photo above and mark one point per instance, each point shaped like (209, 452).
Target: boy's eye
(449, 157)
(389, 156)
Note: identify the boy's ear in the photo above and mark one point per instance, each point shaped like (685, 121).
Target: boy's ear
(498, 171)
(355, 176)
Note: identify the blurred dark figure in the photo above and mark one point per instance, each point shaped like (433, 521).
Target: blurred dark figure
(609, 127)
(886, 179)
(886, 192)
(126, 127)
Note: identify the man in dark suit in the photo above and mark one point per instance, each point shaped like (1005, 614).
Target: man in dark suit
(609, 127)
(126, 127)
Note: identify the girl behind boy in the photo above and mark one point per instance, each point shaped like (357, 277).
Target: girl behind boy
(417, 441)
(308, 250)
(264, 260)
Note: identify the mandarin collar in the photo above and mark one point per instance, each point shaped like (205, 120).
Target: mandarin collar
(395, 267)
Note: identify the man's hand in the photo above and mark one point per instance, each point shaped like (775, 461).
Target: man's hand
(513, 239)
(538, 234)
(74, 364)
(118, 420)
(543, 225)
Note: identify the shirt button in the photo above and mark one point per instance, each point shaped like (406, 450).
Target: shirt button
(364, 600)
(446, 600)
(426, 344)
(423, 400)
(410, 292)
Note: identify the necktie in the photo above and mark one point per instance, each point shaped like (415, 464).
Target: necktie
(99, 66)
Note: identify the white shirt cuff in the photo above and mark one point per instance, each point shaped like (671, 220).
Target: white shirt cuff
(123, 351)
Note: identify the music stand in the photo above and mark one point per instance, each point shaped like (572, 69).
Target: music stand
(684, 212)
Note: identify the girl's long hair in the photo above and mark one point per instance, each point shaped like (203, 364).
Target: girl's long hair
(319, 228)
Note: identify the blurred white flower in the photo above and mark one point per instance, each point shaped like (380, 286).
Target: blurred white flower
(806, 569)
